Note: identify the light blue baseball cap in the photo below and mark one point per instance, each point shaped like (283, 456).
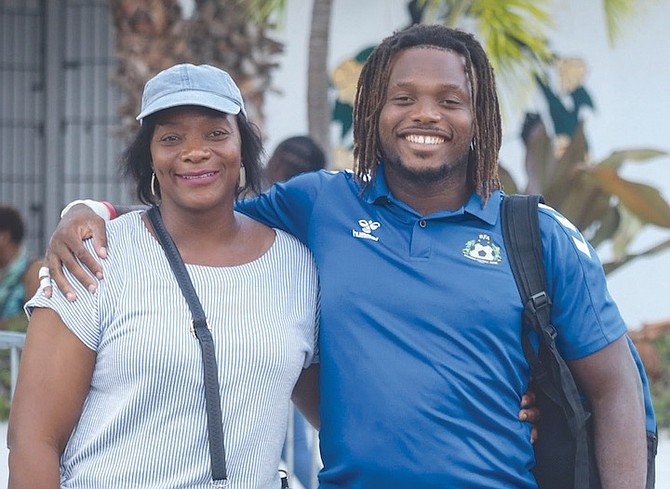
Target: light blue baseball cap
(187, 84)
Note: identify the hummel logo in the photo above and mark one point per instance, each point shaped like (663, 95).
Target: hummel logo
(367, 227)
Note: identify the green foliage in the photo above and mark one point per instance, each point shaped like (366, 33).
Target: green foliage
(593, 195)
(660, 388)
(605, 206)
(18, 323)
(513, 32)
(262, 11)
(5, 384)
(520, 22)
(616, 13)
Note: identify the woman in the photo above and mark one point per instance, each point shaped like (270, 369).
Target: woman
(110, 391)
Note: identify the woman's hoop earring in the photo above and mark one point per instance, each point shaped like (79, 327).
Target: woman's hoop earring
(153, 185)
(243, 176)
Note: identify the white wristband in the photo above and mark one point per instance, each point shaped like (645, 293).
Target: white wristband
(98, 207)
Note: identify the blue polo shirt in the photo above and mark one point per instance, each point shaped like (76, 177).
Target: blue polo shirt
(422, 369)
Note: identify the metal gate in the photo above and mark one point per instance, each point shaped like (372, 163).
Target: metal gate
(58, 125)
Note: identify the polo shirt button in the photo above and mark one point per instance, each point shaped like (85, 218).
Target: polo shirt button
(422, 223)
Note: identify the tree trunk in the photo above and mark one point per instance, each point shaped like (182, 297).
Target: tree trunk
(318, 106)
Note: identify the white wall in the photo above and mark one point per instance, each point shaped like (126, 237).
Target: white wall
(629, 83)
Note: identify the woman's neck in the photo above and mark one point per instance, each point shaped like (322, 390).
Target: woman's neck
(221, 238)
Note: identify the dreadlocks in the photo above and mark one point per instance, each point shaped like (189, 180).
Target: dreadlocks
(371, 95)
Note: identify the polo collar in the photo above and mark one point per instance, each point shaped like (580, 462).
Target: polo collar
(379, 194)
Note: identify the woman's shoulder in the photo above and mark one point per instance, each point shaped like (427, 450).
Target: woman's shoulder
(127, 235)
(129, 220)
(289, 244)
(129, 224)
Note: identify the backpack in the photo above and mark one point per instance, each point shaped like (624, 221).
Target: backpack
(564, 450)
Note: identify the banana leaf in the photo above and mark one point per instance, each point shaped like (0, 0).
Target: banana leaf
(644, 201)
(618, 158)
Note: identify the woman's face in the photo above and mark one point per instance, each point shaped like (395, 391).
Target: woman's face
(196, 155)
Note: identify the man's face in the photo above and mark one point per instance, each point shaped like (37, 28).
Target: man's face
(426, 123)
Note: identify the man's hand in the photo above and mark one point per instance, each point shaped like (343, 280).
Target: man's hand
(67, 250)
(530, 413)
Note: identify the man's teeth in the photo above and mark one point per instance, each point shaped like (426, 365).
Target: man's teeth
(413, 138)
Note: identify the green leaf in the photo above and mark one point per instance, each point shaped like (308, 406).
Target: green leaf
(564, 175)
(629, 226)
(581, 201)
(613, 265)
(609, 222)
(261, 10)
(539, 159)
(514, 31)
(618, 158)
(616, 11)
(642, 200)
(508, 183)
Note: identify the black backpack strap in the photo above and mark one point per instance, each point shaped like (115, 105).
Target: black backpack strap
(549, 372)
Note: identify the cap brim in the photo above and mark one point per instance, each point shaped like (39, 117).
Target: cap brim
(191, 97)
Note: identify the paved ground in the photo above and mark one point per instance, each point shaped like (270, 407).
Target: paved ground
(662, 460)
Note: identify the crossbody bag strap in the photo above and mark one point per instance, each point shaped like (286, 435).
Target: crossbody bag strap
(203, 333)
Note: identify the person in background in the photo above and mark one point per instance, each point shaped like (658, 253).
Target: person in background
(110, 390)
(18, 272)
(291, 157)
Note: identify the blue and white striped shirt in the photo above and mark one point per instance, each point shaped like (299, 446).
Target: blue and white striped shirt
(143, 422)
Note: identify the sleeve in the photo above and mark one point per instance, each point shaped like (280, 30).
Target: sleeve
(80, 316)
(583, 311)
(288, 205)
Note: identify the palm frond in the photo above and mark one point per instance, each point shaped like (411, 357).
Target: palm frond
(615, 13)
(261, 11)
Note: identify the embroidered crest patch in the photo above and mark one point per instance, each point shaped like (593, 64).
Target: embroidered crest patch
(483, 250)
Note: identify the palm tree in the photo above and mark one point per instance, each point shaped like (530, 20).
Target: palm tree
(318, 105)
(151, 36)
(318, 108)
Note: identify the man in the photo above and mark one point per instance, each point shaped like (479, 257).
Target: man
(422, 369)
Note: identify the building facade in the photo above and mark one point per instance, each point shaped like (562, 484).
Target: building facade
(59, 132)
